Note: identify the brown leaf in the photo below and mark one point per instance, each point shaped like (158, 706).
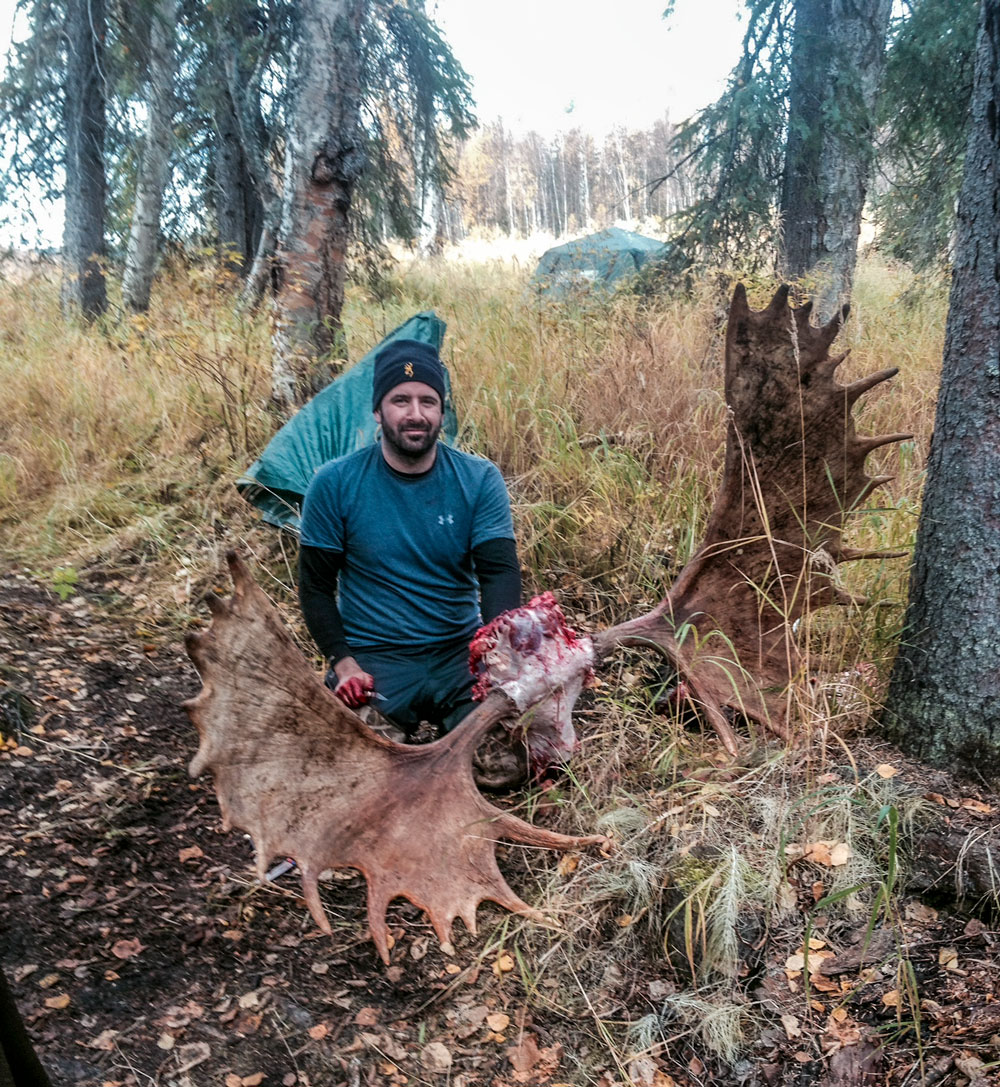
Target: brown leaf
(254, 1080)
(190, 853)
(318, 1032)
(105, 1040)
(367, 1017)
(498, 1022)
(127, 949)
(503, 964)
(57, 1002)
(192, 1054)
(436, 1057)
(886, 770)
(525, 1055)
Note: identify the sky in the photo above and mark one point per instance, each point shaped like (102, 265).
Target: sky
(553, 65)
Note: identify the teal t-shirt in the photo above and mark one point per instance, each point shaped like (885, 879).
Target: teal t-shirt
(407, 543)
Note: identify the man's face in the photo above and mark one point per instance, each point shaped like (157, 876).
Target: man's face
(410, 415)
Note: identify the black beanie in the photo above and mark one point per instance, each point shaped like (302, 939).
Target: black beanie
(406, 360)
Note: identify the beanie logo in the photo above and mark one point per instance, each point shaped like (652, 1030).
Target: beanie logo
(408, 369)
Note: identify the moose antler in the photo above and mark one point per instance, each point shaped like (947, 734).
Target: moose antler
(309, 780)
(794, 470)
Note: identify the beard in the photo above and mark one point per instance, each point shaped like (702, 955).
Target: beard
(410, 442)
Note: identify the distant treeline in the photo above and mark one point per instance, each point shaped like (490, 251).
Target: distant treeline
(521, 184)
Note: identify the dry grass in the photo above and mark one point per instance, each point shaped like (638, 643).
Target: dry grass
(119, 447)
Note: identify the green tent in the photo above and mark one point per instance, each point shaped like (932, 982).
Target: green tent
(598, 261)
(338, 420)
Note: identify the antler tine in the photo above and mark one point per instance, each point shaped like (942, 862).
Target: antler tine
(864, 446)
(778, 304)
(851, 554)
(858, 388)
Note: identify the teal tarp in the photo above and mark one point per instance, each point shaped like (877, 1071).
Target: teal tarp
(338, 420)
(599, 261)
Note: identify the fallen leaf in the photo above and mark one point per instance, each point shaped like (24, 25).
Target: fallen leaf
(105, 1040)
(568, 864)
(886, 770)
(166, 1041)
(503, 964)
(795, 963)
(791, 1025)
(192, 1054)
(58, 1002)
(435, 1057)
(525, 1055)
(891, 998)
(839, 1015)
(948, 958)
(48, 981)
(127, 949)
(366, 1017)
(254, 1080)
(189, 853)
(641, 1071)
(498, 1021)
(818, 853)
(917, 911)
(320, 967)
(977, 805)
(233, 1080)
(452, 968)
(419, 947)
(840, 854)
(249, 1000)
(625, 920)
(318, 1032)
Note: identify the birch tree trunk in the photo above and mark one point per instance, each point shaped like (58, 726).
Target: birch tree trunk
(944, 696)
(323, 160)
(154, 166)
(83, 287)
(838, 55)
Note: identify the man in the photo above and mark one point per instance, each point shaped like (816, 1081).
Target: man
(407, 547)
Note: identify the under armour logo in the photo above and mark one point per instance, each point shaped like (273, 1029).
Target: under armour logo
(408, 369)
(442, 520)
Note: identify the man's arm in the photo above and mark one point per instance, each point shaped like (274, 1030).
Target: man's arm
(499, 574)
(319, 570)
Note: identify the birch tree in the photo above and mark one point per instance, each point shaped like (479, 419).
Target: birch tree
(323, 161)
(154, 165)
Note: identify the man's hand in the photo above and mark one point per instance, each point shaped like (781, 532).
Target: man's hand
(354, 685)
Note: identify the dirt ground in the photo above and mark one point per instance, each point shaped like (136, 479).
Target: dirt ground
(141, 949)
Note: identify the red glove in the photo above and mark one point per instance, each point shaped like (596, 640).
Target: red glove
(355, 691)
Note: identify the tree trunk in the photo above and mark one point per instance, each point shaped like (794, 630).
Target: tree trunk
(83, 288)
(944, 696)
(838, 55)
(239, 210)
(323, 160)
(154, 167)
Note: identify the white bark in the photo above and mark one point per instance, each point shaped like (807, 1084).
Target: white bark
(323, 160)
(154, 166)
